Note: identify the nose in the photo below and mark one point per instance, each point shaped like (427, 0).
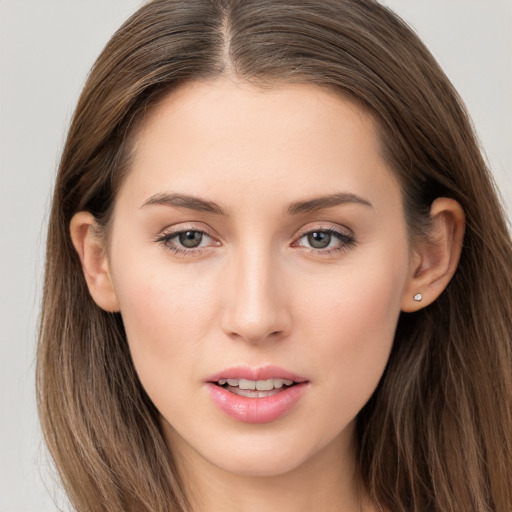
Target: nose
(255, 307)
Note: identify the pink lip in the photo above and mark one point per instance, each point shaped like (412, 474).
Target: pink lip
(256, 410)
(263, 373)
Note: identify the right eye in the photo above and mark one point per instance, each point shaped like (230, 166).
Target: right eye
(187, 241)
(190, 239)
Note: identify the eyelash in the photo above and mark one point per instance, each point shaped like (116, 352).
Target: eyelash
(346, 240)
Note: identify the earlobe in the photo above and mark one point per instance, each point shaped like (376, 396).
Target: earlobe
(91, 250)
(436, 257)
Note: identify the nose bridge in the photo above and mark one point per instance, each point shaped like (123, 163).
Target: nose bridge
(255, 308)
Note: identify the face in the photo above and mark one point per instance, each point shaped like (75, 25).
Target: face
(259, 242)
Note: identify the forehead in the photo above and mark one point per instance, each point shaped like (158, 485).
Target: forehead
(226, 137)
(293, 110)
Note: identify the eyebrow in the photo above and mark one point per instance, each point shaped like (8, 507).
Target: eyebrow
(322, 203)
(298, 207)
(185, 201)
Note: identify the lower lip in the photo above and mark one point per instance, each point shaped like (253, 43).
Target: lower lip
(256, 410)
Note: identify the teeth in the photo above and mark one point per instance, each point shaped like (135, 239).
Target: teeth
(260, 385)
(278, 383)
(264, 385)
(247, 384)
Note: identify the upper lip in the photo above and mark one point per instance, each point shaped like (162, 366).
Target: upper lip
(261, 373)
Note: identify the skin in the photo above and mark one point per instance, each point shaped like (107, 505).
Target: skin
(255, 291)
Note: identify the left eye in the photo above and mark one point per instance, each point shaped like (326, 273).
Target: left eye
(325, 239)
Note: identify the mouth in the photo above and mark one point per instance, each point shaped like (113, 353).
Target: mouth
(255, 388)
(256, 395)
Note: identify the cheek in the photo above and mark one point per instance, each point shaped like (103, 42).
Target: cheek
(167, 314)
(351, 320)
(362, 294)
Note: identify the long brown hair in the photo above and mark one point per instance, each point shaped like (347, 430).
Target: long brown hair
(437, 433)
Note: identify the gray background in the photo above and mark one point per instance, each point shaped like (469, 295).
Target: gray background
(46, 50)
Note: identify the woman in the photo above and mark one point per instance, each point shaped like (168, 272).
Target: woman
(278, 275)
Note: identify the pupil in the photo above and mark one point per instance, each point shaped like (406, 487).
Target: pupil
(190, 239)
(319, 240)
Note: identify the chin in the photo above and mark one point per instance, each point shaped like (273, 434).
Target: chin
(262, 463)
(271, 452)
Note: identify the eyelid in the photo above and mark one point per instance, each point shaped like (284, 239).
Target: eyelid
(335, 228)
(185, 226)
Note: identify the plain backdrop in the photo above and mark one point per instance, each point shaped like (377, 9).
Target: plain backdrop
(46, 50)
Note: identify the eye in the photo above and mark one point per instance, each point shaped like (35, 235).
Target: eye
(319, 239)
(186, 241)
(190, 239)
(325, 240)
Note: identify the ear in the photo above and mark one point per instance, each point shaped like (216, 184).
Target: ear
(435, 258)
(93, 255)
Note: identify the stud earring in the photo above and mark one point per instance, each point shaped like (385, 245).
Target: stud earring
(418, 297)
